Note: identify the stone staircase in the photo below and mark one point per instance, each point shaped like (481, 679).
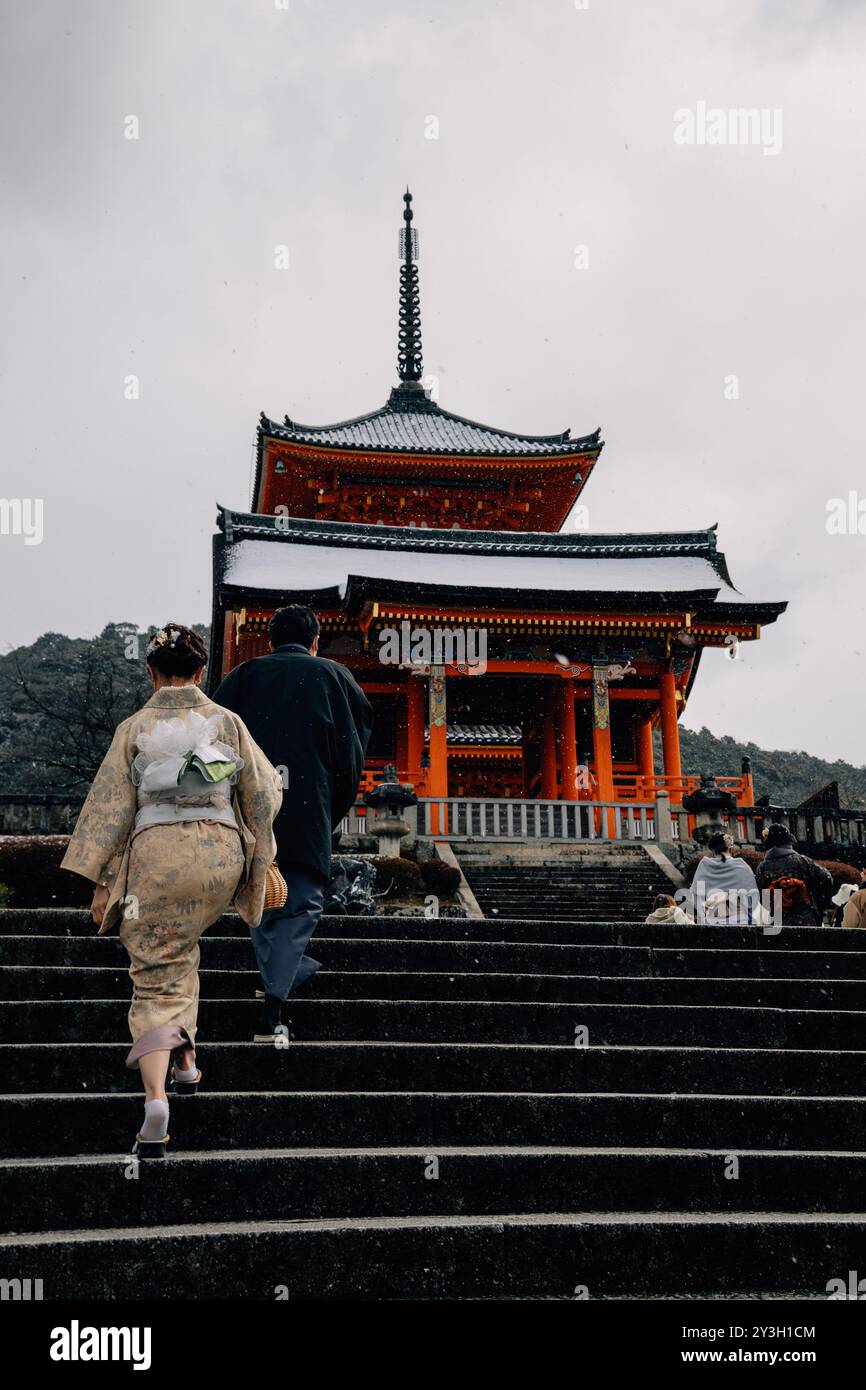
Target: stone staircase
(432, 1131)
(558, 883)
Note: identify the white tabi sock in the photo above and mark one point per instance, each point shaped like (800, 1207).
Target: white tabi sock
(155, 1120)
(186, 1073)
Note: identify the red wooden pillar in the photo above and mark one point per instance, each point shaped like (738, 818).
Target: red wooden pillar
(646, 756)
(601, 752)
(437, 776)
(401, 742)
(525, 762)
(670, 734)
(601, 744)
(746, 796)
(414, 728)
(568, 790)
(548, 755)
(230, 651)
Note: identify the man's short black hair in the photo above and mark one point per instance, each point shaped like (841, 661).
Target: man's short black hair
(293, 624)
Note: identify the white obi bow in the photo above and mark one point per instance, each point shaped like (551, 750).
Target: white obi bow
(184, 752)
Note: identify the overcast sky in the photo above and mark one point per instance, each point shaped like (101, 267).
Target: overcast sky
(260, 126)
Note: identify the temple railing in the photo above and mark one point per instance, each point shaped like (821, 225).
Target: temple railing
(832, 826)
(507, 818)
(631, 786)
(482, 818)
(504, 818)
(628, 786)
(840, 826)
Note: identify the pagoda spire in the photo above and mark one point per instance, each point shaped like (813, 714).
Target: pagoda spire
(410, 364)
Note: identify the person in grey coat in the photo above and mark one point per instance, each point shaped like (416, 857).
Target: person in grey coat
(724, 888)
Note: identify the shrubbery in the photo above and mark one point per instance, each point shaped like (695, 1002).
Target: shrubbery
(31, 876)
(397, 877)
(441, 878)
(30, 870)
(841, 872)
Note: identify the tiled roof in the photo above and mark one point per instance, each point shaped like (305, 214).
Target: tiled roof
(410, 423)
(484, 734)
(561, 544)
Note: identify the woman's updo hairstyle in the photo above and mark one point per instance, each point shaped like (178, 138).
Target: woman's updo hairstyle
(176, 650)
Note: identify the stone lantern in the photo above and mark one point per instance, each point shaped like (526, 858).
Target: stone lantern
(708, 804)
(387, 800)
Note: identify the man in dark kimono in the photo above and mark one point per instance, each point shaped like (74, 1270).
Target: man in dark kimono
(312, 720)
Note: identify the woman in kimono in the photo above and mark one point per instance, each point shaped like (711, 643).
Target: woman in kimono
(175, 829)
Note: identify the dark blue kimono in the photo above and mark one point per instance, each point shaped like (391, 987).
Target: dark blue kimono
(312, 720)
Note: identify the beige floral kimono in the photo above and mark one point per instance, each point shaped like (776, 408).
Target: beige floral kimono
(169, 882)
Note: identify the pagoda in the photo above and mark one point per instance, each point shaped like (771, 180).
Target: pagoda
(412, 521)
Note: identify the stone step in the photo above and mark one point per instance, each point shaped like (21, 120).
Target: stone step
(235, 1020)
(575, 868)
(571, 888)
(544, 877)
(511, 957)
(485, 849)
(89, 1123)
(78, 1068)
(527, 887)
(608, 905)
(580, 897)
(451, 1039)
(68, 926)
(54, 982)
(568, 907)
(441, 1257)
(581, 894)
(83, 1193)
(565, 915)
(383, 953)
(583, 887)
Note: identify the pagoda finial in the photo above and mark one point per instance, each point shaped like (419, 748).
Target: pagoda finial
(409, 360)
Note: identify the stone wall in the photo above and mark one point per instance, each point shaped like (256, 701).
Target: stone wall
(43, 813)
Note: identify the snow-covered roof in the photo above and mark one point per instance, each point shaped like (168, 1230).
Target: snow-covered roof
(410, 422)
(348, 562)
(273, 566)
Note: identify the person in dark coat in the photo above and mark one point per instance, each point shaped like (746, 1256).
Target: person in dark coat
(783, 869)
(313, 721)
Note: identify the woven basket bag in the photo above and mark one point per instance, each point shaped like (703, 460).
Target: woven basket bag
(276, 889)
